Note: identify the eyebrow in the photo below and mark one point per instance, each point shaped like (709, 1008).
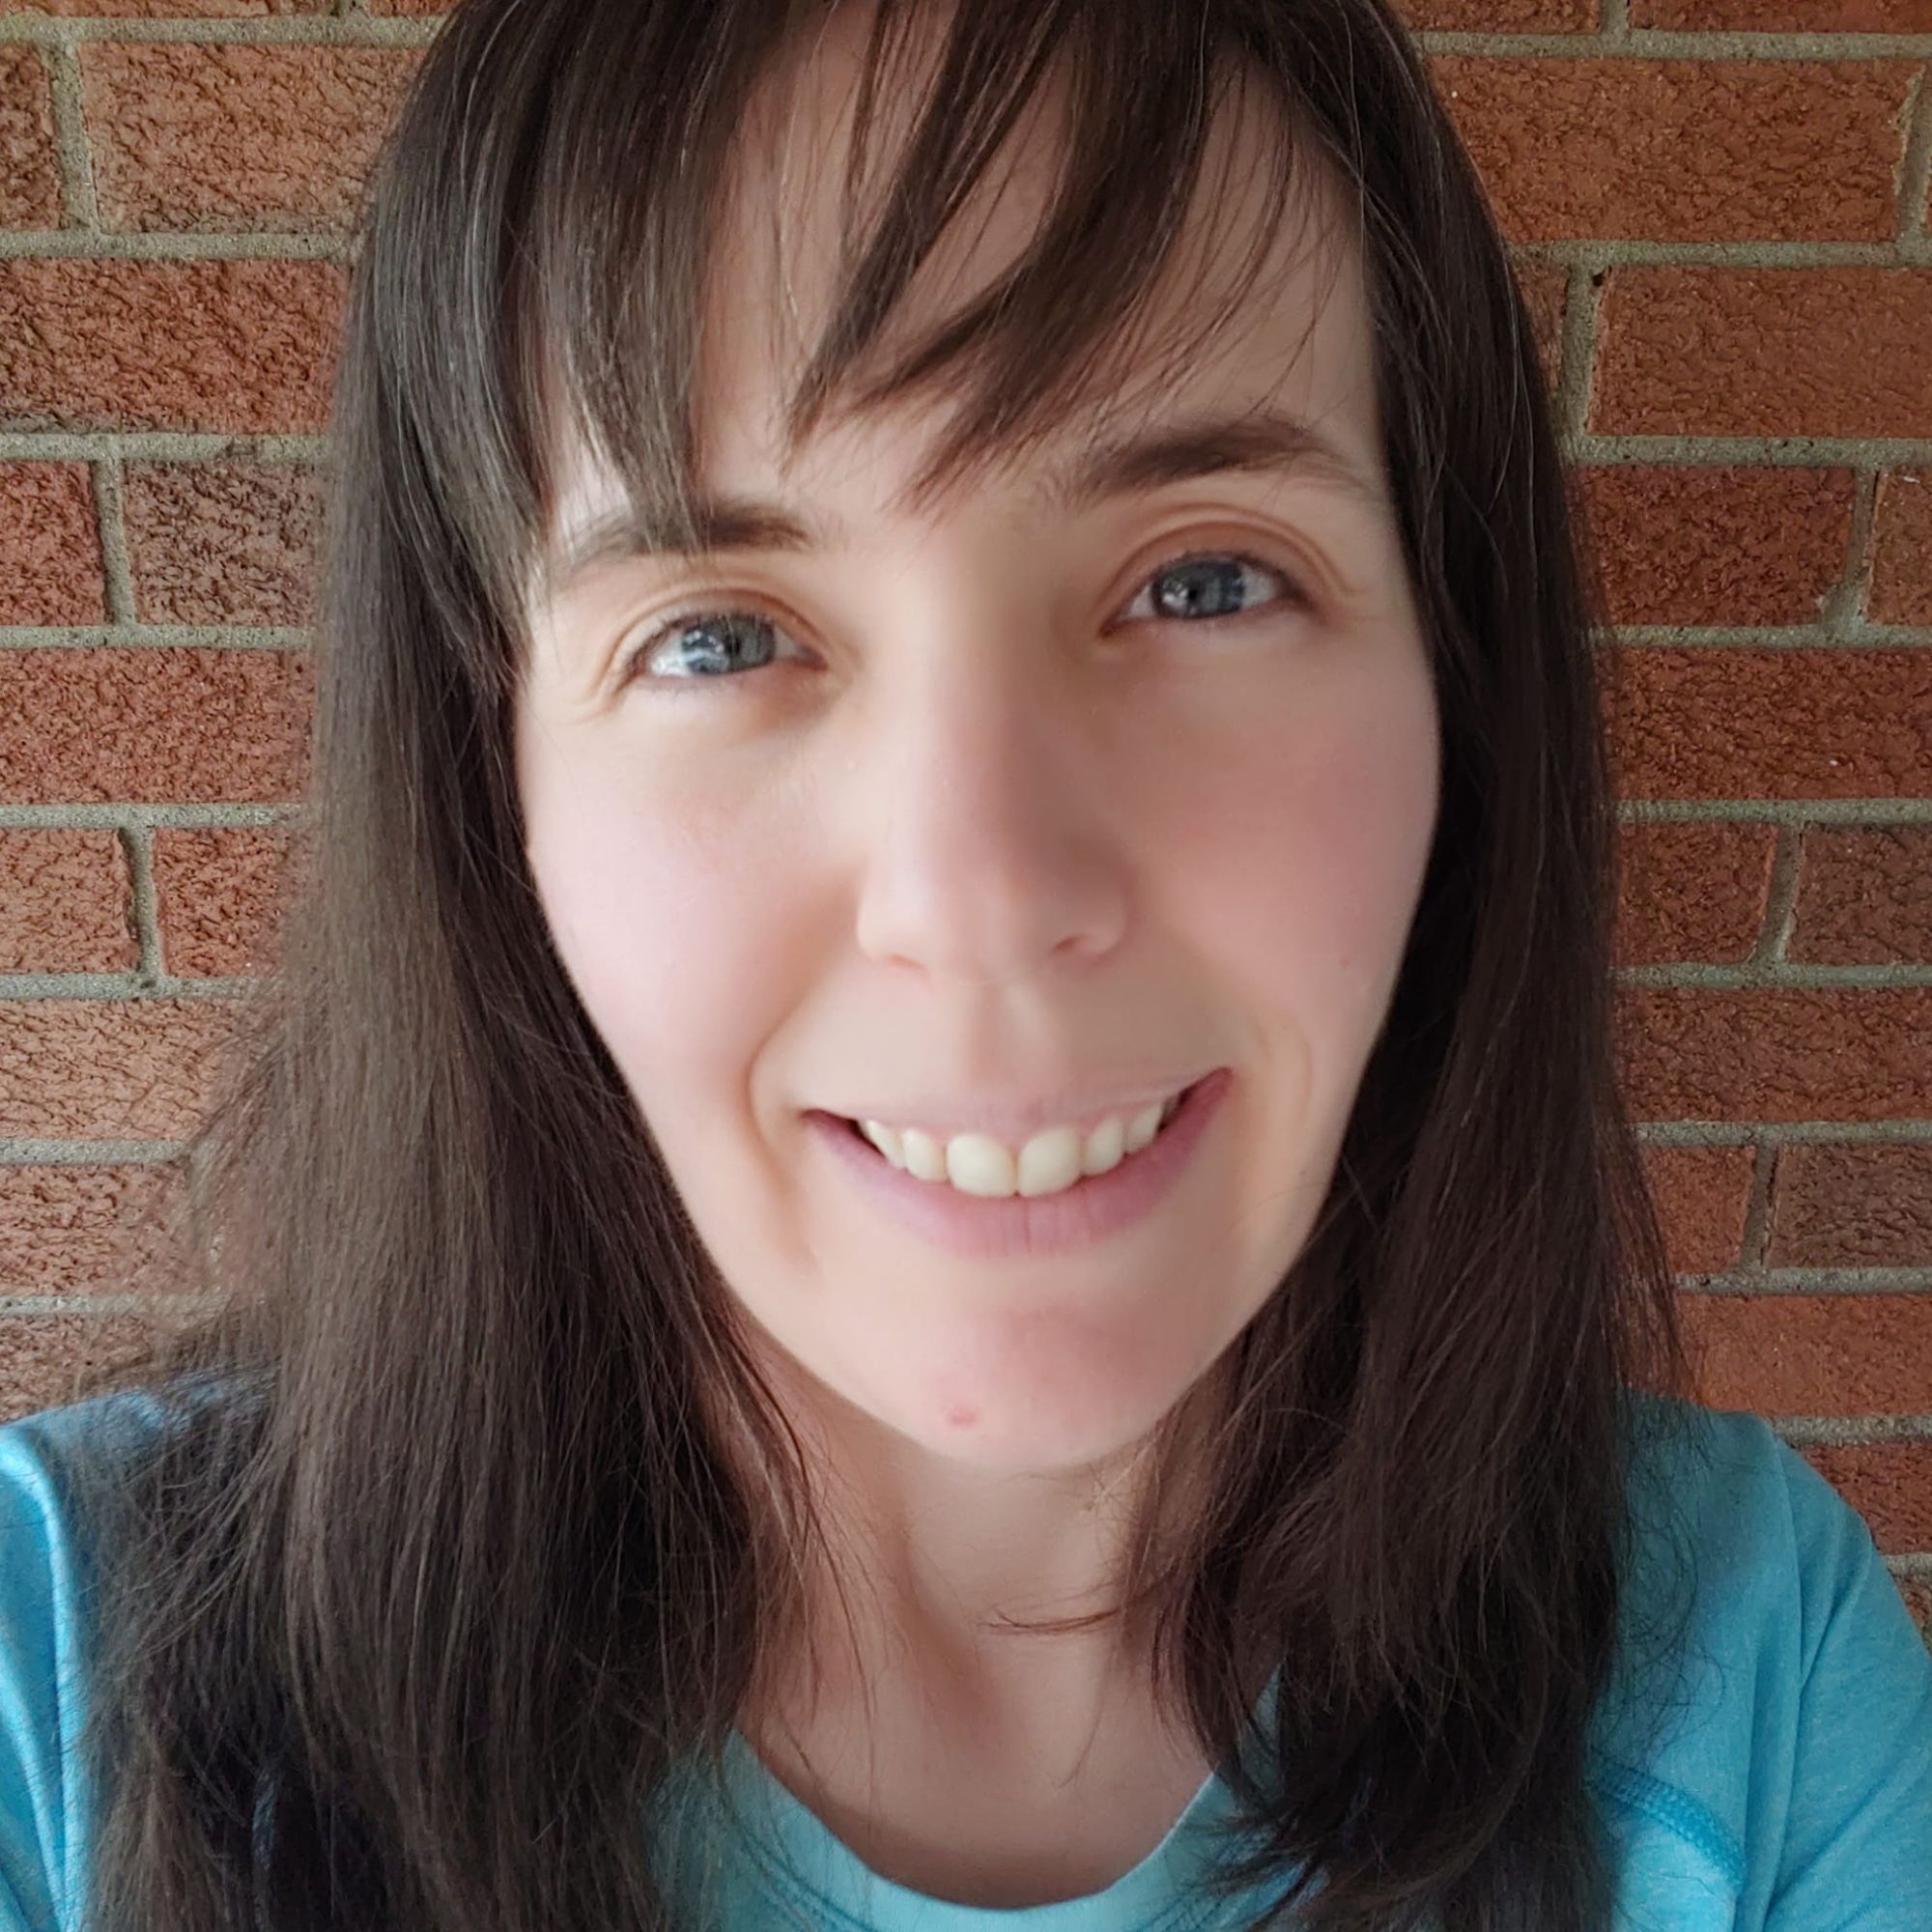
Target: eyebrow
(1256, 439)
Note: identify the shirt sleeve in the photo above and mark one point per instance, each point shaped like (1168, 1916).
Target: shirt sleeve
(38, 1704)
(1857, 1838)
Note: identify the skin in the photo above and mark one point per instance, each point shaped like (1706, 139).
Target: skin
(972, 828)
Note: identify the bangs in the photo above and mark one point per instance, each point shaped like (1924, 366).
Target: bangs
(622, 206)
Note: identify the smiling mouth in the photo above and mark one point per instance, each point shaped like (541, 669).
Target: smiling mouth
(1061, 1162)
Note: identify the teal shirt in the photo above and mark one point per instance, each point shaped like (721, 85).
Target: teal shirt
(1771, 1772)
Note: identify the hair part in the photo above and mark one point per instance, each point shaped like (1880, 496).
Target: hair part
(473, 1520)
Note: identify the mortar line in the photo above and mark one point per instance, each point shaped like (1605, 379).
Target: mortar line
(1582, 298)
(79, 209)
(117, 575)
(1755, 1239)
(1842, 611)
(1915, 164)
(1780, 911)
(138, 843)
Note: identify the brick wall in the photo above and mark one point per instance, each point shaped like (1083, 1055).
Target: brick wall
(1720, 210)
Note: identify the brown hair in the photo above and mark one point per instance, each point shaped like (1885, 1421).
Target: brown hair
(405, 1629)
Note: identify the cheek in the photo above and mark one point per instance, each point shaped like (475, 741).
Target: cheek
(671, 925)
(1300, 847)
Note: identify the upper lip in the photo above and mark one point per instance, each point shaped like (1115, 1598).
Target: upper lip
(1014, 1122)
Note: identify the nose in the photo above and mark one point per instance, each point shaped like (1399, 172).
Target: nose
(995, 832)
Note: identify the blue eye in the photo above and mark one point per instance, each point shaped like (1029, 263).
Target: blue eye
(710, 646)
(1211, 584)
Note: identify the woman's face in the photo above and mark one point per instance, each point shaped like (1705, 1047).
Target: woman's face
(959, 807)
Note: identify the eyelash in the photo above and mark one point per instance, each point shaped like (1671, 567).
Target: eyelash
(631, 661)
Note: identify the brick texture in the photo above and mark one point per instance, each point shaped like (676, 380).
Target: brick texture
(1901, 579)
(218, 897)
(1890, 1484)
(1677, 227)
(82, 1229)
(64, 904)
(222, 542)
(42, 1356)
(1735, 723)
(1694, 891)
(241, 344)
(107, 1069)
(1717, 542)
(30, 189)
(1850, 1054)
(1683, 151)
(1702, 1194)
(49, 546)
(1861, 896)
(173, 10)
(155, 725)
(192, 136)
(1502, 17)
(1813, 1354)
(1852, 1207)
(1787, 16)
(1543, 285)
(1763, 351)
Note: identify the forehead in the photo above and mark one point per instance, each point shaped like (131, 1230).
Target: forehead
(1261, 306)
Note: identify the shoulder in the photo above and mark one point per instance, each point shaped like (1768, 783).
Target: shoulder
(1768, 1732)
(44, 1585)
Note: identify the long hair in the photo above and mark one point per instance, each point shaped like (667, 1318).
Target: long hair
(471, 1518)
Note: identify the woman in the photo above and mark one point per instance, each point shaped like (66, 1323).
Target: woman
(931, 1224)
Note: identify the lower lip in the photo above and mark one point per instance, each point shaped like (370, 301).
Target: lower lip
(1017, 1224)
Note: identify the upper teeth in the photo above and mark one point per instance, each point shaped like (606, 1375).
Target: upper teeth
(1054, 1158)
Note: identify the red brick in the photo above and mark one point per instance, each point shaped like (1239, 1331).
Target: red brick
(83, 1230)
(1865, 895)
(64, 902)
(1682, 150)
(1544, 287)
(1500, 16)
(217, 895)
(44, 1357)
(224, 542)
(1890, 1484)
(1763, 351)
(1727, 721)
(1901, 579)
(153, 725)
(1701, 1194)
(1694, 891)
(1715, 544)
(1790, 17)
(49, 546)
(1851, 1206)
(168, 10)
(243, 345)
(30, 188)
(108, 1070)
(1764, 1053)
(1812, 1354)
(215, 136)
